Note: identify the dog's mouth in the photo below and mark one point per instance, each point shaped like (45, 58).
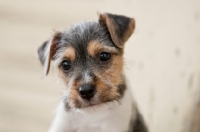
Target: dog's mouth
(91, 107)
(89, 103)
(85, 104)
(96, 103)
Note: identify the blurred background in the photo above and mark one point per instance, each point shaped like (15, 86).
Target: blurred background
(162, 60)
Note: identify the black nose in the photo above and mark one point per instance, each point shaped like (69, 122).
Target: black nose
(87, 91)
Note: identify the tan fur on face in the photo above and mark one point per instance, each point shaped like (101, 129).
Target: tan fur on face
(95, 48)
(70, 54)
(109, 79)
(106, 93)
(113, 72)
(74, 96)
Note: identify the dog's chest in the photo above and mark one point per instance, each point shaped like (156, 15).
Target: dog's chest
(113, 119)
(110, 120)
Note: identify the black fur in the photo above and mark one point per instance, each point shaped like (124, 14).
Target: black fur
(121, 22)
(41, 51)
(139, 125)
(121, 89)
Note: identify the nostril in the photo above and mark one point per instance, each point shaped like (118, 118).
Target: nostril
(82, 93)
(91, 92)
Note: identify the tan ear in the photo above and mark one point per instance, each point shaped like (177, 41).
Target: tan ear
(47, 51)
(119, 27)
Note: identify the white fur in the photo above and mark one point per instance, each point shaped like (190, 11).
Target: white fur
(86, 78)
(108, 117)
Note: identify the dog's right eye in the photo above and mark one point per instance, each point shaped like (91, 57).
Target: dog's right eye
(65, 65)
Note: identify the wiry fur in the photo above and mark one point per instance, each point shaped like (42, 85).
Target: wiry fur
(111, 109)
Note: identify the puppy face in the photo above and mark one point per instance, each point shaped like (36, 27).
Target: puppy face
(89, 58)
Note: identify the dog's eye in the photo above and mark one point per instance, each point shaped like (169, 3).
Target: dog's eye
(104, 56)
(65, 65)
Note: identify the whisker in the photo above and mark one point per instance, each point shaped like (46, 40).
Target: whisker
(60, 99)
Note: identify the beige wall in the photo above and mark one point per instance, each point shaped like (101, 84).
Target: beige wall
(162, 59)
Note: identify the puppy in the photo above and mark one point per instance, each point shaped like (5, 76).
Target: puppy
(89, 59)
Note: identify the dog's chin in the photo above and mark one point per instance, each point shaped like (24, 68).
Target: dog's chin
(93, 105)
(89, 106)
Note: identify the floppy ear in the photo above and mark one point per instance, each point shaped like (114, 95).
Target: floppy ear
(119, 27)
(47, 51)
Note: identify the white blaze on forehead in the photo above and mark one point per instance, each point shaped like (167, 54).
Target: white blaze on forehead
(86, 77)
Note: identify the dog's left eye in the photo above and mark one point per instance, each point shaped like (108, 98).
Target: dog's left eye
(104, 56)
(65, 65)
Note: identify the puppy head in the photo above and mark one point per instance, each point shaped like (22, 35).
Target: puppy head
(89, 58)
